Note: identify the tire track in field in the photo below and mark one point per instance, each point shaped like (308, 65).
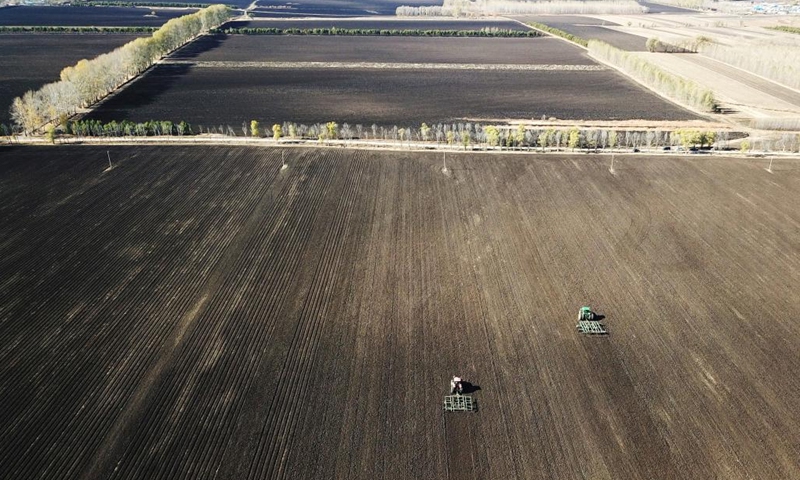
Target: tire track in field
(286, 408)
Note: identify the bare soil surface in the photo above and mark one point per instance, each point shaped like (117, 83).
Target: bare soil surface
(88, 16)
(333, 8)
(535, 50)
(384, 97)
(590, 28)
(28, 61)
(385, 23)
(197, 312)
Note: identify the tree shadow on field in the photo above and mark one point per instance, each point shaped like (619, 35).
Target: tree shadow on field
(144, 92)
(202, 45)
(469, 387)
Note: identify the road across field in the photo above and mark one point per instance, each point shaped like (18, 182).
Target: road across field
(198, 312)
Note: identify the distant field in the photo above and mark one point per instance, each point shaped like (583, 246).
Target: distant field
(590, 28)
(540, 50)
(199, 313)
(28, 61)
(235, 92)
(387, 23)
(345, 8)
(87, 16)
(223, 96)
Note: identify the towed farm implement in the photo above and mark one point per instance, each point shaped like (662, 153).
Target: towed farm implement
(589, 322)
(457, 401)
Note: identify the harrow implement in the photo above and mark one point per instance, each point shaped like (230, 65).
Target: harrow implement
(459, 403)
(591, 328)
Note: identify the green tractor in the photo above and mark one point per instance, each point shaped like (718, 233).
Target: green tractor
(589, 322)
(585, 314)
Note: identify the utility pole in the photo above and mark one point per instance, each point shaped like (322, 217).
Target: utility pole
(444, 162)
(283, 161)
(611, 169)
(769, 169)
(109, 159)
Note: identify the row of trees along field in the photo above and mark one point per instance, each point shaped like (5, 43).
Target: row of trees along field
(90, 80)
(673, 86)
(775, 59)
(459, 8)
(455, 134)
(484, 32)
(466, 135)
(559, 33)
(690, 45)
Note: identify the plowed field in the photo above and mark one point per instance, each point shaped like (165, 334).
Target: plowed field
(197, 312)
(88, 16)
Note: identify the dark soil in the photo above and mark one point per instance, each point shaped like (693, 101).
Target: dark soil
(312, 48)
(28, 61)
(219, 96)
(590, 28)
(197, 312)
(87, 16)
(334, 8)
(385, 23)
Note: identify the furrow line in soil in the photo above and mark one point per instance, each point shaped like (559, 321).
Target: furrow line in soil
(245, 376)
(184, 373)
(293, 384)
(315, 308)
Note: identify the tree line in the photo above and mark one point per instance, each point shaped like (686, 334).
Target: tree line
(90, 80)
(775, 59)
(459, 8)
(461, 134)
(469, 134)
(65, 29)
(673, 86)
(493, 32)
(125, 128)
(559, 33)
(691, 45)
(457, 135)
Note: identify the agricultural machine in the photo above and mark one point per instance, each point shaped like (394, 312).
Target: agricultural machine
(589, 322)
(457, 401)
